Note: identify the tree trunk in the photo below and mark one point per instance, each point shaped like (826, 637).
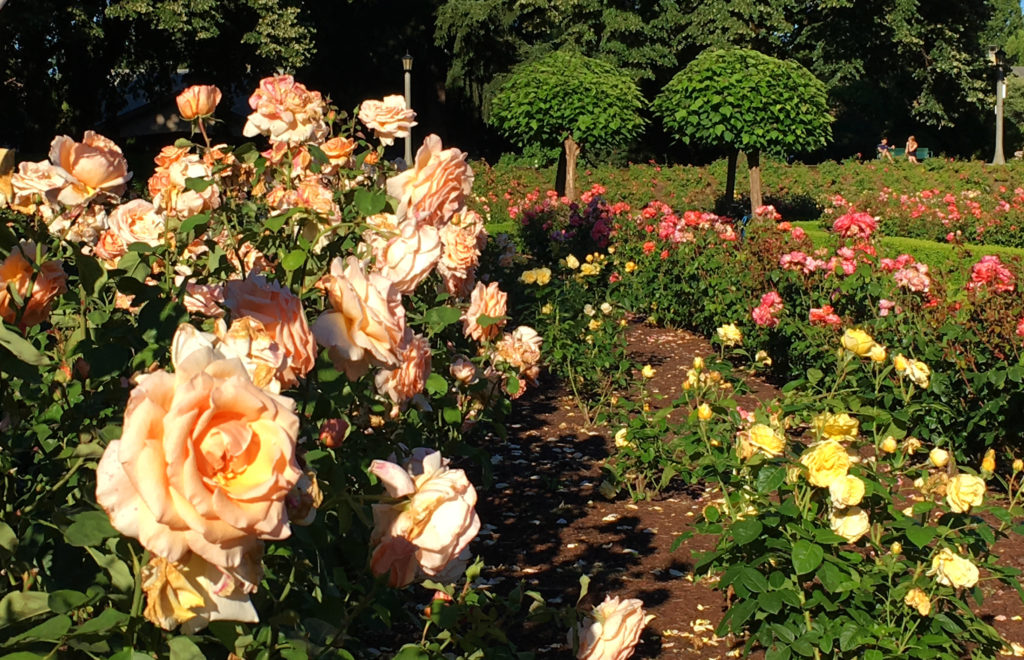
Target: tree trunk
(754, 162)
(572, 150)
(730, 179)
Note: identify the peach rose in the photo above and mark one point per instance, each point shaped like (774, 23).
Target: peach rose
(463, 370)
(281, 314)
(339, 152)
(285, 111)
(80, 224)
(521, 349)
(205, 299)
(432, 524)
(36, 283)
(110, 248)
(389, 119)
(406, 257)
(137, 221)
(435, 186)
(204, 463)
(198, 101)
(612, 630)
(94, 165)
(245, 340)
(169, 155)
(402, 383)
(192, 593)
(366, 321)
(485, 300)
(177, 201)
(464, 238)
(35, 187)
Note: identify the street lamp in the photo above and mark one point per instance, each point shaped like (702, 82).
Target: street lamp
(995, 57)
(407, 67)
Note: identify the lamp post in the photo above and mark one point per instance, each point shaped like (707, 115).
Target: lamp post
(995, 57)
(407, 67)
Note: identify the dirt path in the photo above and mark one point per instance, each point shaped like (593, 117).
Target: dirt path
(545, 522)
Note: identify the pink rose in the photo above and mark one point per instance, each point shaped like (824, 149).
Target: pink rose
(366, 321)
(612, 630)
(406, 257)
(94, 165)
(17, 272)
(824, 316)
(204, 463)
(485, 300)
(855, 225)
(198, 101)
(389, 119)
(425, 532)
(913, 277)
(137, 221)
(990, 273)
(280, 311)
(205, 299)
(435, 186)
(402, 383)
(285, 111)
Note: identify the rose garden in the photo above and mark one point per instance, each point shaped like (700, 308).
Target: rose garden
(288, 395)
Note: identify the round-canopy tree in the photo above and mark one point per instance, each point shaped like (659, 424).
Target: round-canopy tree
(745, 100)
(569, 99)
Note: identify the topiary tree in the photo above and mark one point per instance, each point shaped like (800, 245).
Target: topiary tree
(569, 99)
(745, 100)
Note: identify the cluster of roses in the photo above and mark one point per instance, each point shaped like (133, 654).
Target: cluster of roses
(766, 314)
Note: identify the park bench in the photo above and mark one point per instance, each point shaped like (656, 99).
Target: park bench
(900, 152)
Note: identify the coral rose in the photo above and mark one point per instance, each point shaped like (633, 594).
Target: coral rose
(953, 570)
(825, 462)
(37, 283)
(405, 381)
(198, 101)
(285, 111)
(192, 593)
(94, 165)
(851, 523)
(484, 301)
(366, 321)
(408, 256)
(435, 186)
(204, 463)
(389, 119)
(281, 314)
(612, 630)
(430, 527)
(137, 221)
(965, 491)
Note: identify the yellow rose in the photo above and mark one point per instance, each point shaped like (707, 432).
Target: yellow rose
(857, 342)
(543, 276)
(648, 371)
(919, 373)
(939, 457)
(988, 463)
(953, 570)
(911, 445)
(846, 491)
(761, 357)
(528, 277)
(918, 600)
(877, 353)
(1018, 465)
(572, 262)
(889, 444)
(836, 425)
(630, 266)
(896, 547)
(900, 363)
(964, 491)
(547, 309)
(825, 462)
(703, 412)
(851, 523)
(620, 438)
(698, 363)
(590, 269)
(763, 438)
(594, 325)
(192, 593)
(730, 334)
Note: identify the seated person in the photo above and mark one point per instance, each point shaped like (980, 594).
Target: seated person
(884, 149)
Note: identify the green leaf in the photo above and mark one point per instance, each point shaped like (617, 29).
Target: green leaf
(452, 415)
(198, 184)
(21, 348)
(411, 652)
(806, 556)
(51, 630)
(512, 385)
(439, 318)
(745, 531)
(369, 202)
(90, 273)
(814, 375)
(65, 600)
(193, 222)
(89, 529)
(436, 385)
(183, 648)
(769, 479)
(8, 539)
(920, 535)
(485, 321)
(294, 260)
(108, 618)
(19, 605)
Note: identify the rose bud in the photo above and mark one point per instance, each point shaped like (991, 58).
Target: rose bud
(198, 101)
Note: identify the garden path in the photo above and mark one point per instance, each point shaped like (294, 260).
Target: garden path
(546, 524)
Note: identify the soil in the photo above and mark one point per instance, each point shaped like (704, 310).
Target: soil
(546, 524)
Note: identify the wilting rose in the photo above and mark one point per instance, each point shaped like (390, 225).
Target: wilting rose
(435, 186)
(280, 311)
(17, 272)
(965, 491)
(730, 335)
(137, 221)
(463, 370)
(485, 300)
(285, 111)
(846, 491)
(825, 462)
(204, 463)
(35, 187)
(431, 525)
(402, 383)
(389, 119)
(464, 238)
(198, 101)
(94, 165)
(333, 431)
(760, 438)
(851, 523)
(953, 570)
(366, 321)
(521, 350)
(406, 257)
(918, 599)
(192, 593)
(612, 630)
(303, 501)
